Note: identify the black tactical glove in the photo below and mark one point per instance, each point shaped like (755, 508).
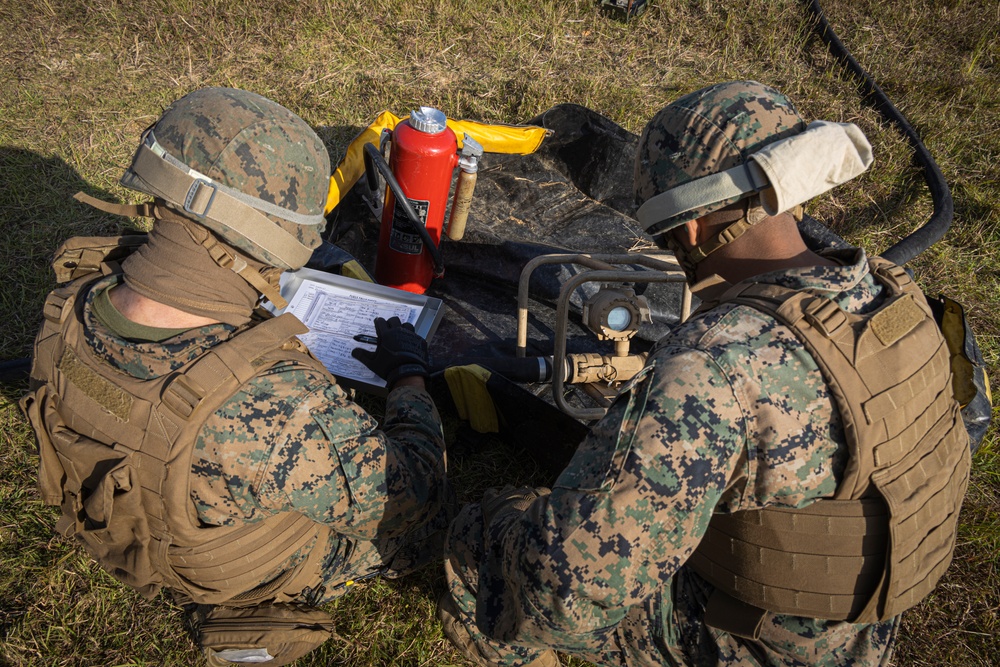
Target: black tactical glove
(499, 502)
(399, 353)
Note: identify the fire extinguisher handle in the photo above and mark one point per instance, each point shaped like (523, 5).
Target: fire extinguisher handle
(371, 176)
(375, 160)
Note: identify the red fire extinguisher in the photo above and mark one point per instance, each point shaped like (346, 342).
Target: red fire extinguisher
(422, 158)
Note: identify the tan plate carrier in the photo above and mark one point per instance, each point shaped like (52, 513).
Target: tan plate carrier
(115, 453)
(881, 544)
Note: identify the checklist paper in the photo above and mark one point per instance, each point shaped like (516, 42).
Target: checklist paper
(336, 309)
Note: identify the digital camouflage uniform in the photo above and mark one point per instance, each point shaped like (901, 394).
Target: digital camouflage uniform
(731, 413)
(289, 440)
(223, 462)
(292, 441)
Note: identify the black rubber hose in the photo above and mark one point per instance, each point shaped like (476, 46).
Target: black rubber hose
(944, 209)
(374, 160)
(15, 370)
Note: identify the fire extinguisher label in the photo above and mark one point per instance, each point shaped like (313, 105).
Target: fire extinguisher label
(403, 237)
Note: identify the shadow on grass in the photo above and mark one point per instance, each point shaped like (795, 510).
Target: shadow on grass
(37, 213)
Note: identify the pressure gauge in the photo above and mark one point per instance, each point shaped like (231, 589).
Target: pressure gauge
(618, 318)
(615, 313)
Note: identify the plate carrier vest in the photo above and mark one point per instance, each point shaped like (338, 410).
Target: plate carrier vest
(115, 452)
(881, 544)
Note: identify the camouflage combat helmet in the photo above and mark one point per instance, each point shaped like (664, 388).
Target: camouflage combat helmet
(243, 166)
(705, 133)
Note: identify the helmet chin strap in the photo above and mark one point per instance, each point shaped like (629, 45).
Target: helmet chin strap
(689, 258)
(265, 280)
(680, 253)
(753, 213)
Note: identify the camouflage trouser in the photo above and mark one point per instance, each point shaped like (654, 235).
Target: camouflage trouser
(632, 643)
(352, 561)
(668, 629)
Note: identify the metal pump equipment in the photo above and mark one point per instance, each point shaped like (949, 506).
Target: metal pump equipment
(613, 313)
(423, 155)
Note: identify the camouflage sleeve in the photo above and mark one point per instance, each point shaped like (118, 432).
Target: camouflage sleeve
(625, 514)
(417, 466)
(334, 465)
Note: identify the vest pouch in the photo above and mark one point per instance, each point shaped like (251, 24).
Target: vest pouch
(969, 379)
(50, 469)
(274, 634)
(84, 255)
(919, 557)
(113, 526)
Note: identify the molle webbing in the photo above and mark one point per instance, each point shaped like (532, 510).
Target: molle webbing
(881, 544)
(843, 543)
(138, 450)
(223, 564)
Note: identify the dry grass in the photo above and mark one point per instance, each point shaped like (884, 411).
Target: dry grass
(80, 80)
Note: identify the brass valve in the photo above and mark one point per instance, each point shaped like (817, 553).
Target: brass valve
(592, 367)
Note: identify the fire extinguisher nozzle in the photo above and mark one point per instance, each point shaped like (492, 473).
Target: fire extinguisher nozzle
(461, 205)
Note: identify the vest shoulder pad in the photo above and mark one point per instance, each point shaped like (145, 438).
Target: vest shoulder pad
(84, 255)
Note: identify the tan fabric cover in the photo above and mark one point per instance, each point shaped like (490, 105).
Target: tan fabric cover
(176, 269)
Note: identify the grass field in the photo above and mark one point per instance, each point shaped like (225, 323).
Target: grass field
(79, 81)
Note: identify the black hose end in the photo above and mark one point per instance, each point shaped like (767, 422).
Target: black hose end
(517, 369)
(15, 370)
(371, 174)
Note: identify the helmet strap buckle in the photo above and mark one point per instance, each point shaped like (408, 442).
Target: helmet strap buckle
(194, 192)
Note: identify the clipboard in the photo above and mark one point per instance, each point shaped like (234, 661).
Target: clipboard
(336, 308)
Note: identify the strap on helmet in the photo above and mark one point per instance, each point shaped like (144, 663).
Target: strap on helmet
(728, 184)
(217, 251)
(129, 210)
(203, 198)
(238, 265)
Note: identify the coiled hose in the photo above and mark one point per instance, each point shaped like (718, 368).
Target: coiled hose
(944, 209)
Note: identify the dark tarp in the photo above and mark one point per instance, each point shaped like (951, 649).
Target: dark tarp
(572, 195)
